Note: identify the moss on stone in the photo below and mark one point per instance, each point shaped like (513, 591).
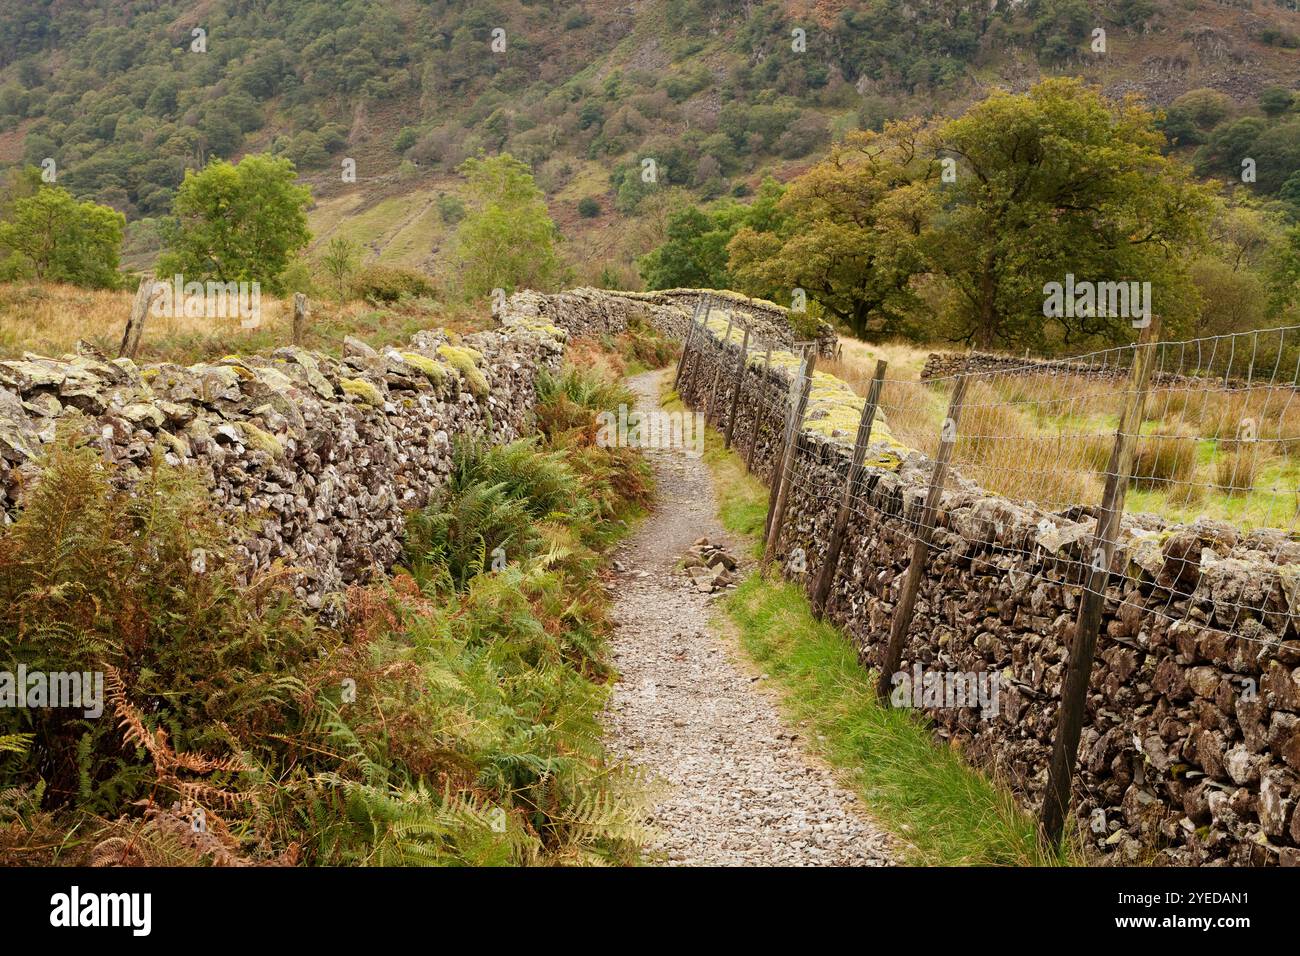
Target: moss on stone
(465, 360)
(255, 437)
(434, 371)
(363, 390)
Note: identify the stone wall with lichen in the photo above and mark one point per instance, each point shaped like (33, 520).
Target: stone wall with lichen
(1190, 752)
(317, 458)
(1179, 763)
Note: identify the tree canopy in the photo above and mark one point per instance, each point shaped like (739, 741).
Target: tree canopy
(237, 223)
(507, 239)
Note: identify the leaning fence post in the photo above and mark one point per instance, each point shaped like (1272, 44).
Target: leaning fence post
(735, 391)
(1074, 694)
(703, 333)
(921, 544)
(717, 368)
(782, 482)
(301, 315)
(758, 411)
(144, 294)
(791, 399)
(852, 488)
(686, 341)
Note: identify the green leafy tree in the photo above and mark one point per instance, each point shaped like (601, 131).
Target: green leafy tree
(850, 229)
(694, 251)
(55, 238)
(1060, 180)
(238, 223)
(507, 239)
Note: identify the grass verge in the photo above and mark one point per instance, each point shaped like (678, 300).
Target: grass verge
(945, 812)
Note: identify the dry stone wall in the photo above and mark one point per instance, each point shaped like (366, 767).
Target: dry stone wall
(320, 457)
(1191, 748)
(324, 456)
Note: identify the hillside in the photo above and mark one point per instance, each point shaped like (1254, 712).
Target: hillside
(124, 96)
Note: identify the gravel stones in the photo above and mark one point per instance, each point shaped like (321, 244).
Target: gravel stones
(737, 786)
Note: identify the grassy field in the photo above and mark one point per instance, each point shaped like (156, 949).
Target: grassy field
(1204, 451)
(50, 319)
(943, 812)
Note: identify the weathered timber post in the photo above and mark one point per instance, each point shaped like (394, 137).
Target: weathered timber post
(144, 295)
(758, 411)
(852, 488)
(686, 341)
(783, 482)
(921, 544)
(735, 390)
(301, 316)
(703, 336)
(717, 369)
(1083, 649)
(791, 399)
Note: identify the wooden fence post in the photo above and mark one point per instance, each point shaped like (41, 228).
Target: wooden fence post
(783, 481)
(735, 390)
(774, 485)
(703, 336)
(717, 369)
(686, 341)
(758, 411)
(301, 316)
(144, 295)
(852, 488)
(921, 544)
(1074, 695)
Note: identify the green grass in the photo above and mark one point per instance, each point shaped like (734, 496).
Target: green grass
(943, 811)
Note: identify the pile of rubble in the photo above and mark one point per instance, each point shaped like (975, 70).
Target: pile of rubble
(709, 566)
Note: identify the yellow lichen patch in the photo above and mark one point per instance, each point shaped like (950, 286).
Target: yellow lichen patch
(363, 390)
(537, 325)
(435, 372)
(256, 437)
(718, 321)
(465, 360)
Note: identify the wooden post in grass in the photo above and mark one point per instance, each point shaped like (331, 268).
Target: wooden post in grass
(781, 483)
(301, 316)
(735, 390)
(1074, 695)
(144, 295)
(921, 544)
(758, 411)
(852, 488)
(686, 341)
(717, 368)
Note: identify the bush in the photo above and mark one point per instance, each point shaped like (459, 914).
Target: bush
(388, 284)
(588, 207)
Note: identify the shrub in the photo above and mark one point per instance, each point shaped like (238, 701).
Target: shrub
(388, 284)
(588, 207)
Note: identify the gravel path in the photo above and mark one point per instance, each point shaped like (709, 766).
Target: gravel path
(738, 787)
